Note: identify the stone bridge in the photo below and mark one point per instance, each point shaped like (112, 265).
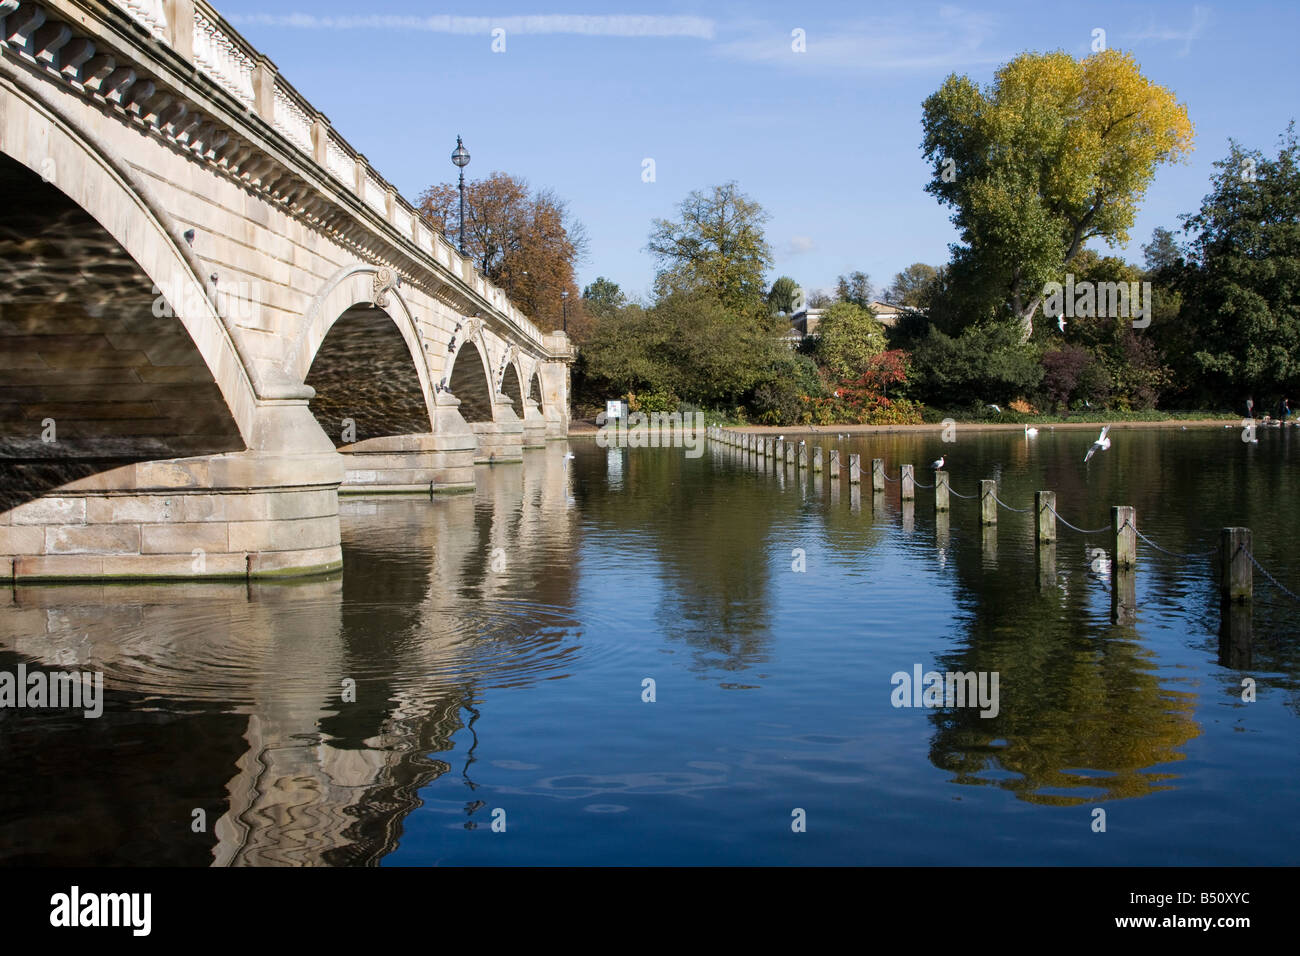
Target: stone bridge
(216, 317)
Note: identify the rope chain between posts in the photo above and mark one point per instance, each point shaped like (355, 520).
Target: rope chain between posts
(1172, 554)
(1022, 511)
(887, 478)
(920, 485)
(1075, 527)
(960, 495)
(1272, 580)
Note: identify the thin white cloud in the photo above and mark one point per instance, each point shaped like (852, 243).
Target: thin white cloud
(948, 37)
(1167, 34)
(799, 245)
(617, 25)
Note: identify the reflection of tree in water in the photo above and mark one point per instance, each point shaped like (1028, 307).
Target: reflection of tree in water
(714, 540)
(1080, 710)
(713, 551)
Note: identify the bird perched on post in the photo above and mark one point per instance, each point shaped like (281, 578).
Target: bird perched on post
(1101, 444)
(936, 465)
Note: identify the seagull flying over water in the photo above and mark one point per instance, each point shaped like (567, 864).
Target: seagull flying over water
(995, 408)
(1101, 444)
(1060, 323)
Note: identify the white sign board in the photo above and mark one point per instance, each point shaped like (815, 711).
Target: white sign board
(613, 410)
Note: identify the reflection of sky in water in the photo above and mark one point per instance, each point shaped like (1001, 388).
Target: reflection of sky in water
(520, 689)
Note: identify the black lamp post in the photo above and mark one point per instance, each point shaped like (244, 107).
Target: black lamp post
(564, 303)
(460, 156)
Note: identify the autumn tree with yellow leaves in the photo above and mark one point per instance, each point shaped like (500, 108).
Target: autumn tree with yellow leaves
(1055, 152)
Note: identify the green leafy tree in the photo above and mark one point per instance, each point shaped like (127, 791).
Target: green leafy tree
(688, 344)
(1055, 152)
(716, 245)
(1242, 291)
(603, 298)
(855, 288)
(912, 286)
(781, 394)
(1162, 252)
(849, 336)
(985, 364)
(783, 296)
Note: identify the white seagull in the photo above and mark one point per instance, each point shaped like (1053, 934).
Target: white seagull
(1101, 444)
(936, 465)
(995, 408)
(1031, 432)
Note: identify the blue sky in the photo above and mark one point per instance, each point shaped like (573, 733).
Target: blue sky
(827, 140)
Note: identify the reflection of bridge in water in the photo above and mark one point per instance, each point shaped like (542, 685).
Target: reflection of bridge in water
(315, 779)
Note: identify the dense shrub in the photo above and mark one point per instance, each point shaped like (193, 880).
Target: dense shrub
(985, 364)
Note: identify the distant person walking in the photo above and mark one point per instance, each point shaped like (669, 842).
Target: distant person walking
(1286, 411)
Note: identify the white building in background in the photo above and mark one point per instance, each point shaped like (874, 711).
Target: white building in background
(805, 324)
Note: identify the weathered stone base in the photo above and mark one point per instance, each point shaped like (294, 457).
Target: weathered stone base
(556, 426)
(534, 425)
(410, 464)
(499, 442)
(242, 515)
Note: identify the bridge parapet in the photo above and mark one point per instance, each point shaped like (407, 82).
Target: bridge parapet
(178, 68)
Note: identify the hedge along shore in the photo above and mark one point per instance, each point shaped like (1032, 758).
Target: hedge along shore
(587, 428)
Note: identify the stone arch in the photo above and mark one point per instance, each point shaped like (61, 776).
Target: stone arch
(470, 381)
(535, 390)
(512, 388)
(359, 286)
(371, 316)
(365, 384)
(37, 135)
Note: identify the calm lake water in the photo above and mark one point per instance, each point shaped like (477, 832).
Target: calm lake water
(507, 685)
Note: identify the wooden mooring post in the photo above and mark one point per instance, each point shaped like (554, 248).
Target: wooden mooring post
(855, 469)
(1045, 512)
(877, 474)
(818, 464)
(1236, 592)
(988, 501)
(940, 491)
(1236, 575)
(834, 466)
(907, 484)
(1123, 521)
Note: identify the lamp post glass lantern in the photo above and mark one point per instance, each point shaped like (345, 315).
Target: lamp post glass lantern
(564, 304)
(460, 156)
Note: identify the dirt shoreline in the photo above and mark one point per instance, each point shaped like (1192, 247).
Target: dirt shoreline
(587, 428)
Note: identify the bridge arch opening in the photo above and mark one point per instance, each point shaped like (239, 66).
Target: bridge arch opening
(366, 383)
(535, 391)
(511, 389)
(469, 383)
(97, 369)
